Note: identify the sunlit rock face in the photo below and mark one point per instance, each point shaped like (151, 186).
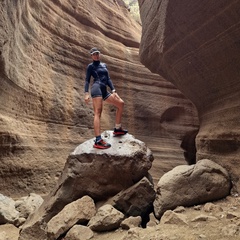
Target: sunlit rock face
(196, 46)
(44, 51)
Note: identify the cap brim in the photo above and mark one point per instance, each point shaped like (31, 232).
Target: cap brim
(95, 52)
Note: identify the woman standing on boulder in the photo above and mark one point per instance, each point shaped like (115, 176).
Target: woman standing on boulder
(99, 93)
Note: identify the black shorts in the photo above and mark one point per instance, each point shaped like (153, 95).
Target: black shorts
(99, 90)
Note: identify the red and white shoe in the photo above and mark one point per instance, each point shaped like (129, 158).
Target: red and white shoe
(101, 144)
(120, 131)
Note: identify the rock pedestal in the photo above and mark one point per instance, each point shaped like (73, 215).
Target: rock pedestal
(97, 173)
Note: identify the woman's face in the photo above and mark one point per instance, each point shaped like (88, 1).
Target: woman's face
(95, 56)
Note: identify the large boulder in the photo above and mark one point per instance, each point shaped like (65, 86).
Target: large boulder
(191, 185)
(99, 174)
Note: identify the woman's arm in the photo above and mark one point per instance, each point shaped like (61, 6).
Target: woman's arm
(87, 79)
(109, 81)
(87, 82)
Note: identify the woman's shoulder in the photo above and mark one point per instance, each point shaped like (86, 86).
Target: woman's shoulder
(100, 65)
(103, 64)
(90, 65)
(94, 66)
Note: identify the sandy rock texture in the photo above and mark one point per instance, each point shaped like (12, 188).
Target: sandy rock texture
(44, 51)
(195, 45)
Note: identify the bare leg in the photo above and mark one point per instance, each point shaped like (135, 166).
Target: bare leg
(115, 100)
(97, 107)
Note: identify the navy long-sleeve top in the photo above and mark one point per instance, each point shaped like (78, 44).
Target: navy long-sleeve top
(99, 72)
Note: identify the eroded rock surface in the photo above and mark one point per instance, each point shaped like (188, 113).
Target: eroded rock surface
(195, 45)
(44, 51)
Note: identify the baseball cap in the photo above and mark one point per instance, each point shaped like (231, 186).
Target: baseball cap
(94, 50)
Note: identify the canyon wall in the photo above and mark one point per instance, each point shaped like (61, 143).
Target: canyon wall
(196, 46)
(44, 51)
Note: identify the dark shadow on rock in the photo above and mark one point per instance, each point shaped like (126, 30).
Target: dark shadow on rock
(189, 146)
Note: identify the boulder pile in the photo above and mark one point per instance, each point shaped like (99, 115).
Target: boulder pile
(105, 190)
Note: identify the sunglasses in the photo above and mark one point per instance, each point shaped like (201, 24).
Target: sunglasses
(95, 54)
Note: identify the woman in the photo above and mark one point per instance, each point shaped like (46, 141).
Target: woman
(99, 93)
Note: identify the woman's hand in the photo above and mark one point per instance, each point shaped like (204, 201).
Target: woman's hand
(87, 98)
(115, 95)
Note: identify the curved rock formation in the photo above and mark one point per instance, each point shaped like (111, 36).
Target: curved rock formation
(44, 51)
(196, 47)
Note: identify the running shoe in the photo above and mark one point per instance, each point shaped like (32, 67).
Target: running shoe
(119, 131)
(101, 144)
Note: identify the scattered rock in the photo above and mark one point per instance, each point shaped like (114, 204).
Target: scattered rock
(8, 213)
(202, 236)
(79, 211)
(210, 207)
(170, 217)
(27, 205)
(201, 218)
(79, 232)
(231, 215)
(132, 234)
(152, 221)
(131, 222)
(136, 200)
(107, 219)
(179, 209)
(197, 208)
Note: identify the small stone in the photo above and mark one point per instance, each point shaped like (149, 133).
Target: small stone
(131, 222)
(231, 215)
(107, 218)
(79, 232)
(170, 217)
(203, 218)
(132, 234)
(197, 208)
(202, 236)
(210, 207)
(179, 209)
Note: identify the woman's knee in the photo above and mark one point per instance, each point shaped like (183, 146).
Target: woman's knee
(120, 105)
(98, 112)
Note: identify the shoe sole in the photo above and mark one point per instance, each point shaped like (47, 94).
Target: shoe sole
(118, 134)
(100, 147)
